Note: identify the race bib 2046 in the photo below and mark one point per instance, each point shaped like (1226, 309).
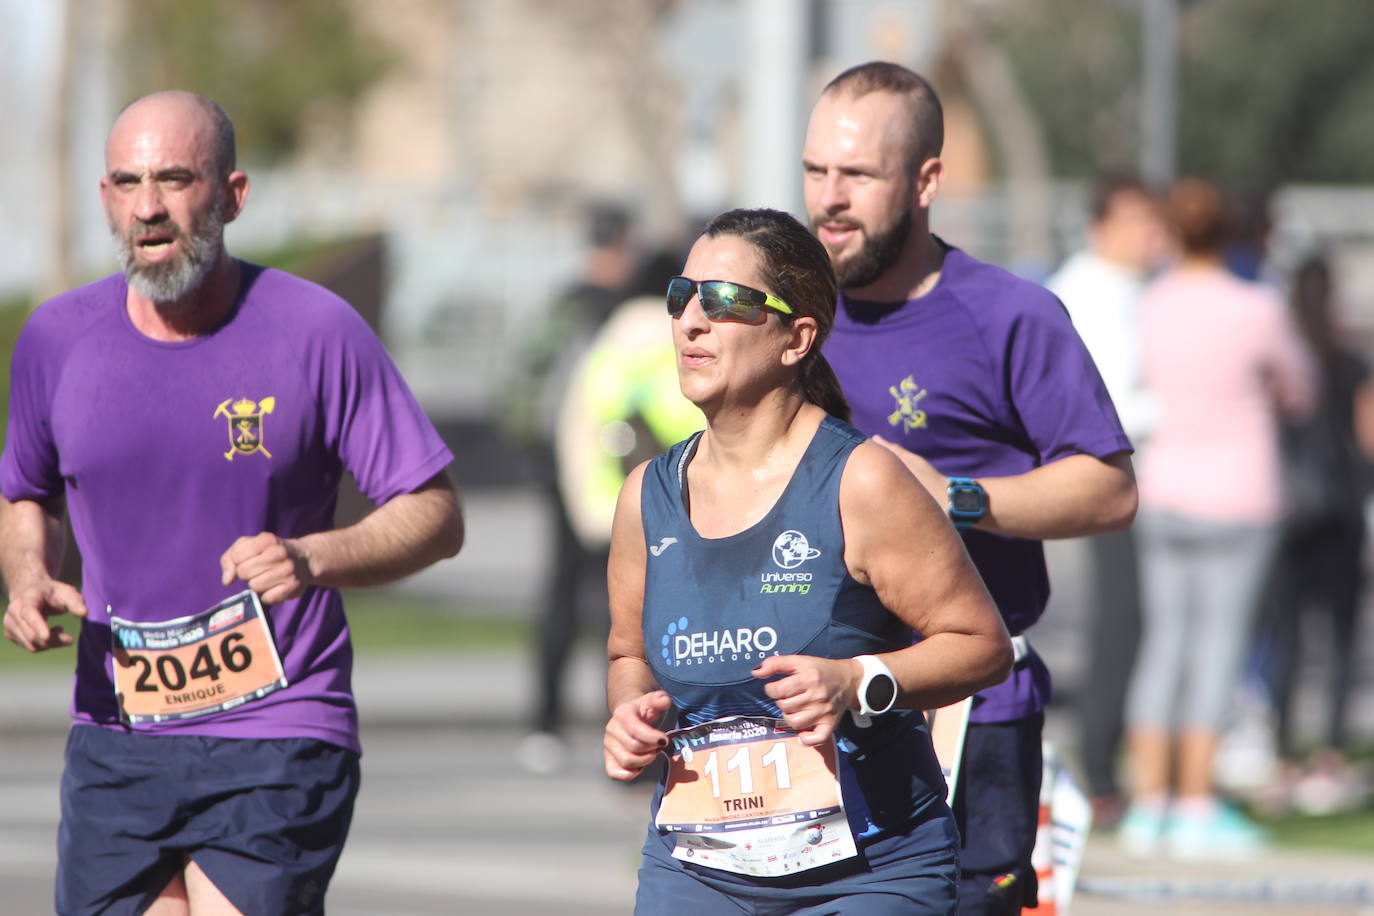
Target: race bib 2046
(194, 666)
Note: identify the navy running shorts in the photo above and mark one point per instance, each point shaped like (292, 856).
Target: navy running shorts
(997, 809)
(264, 819)
(911, 875)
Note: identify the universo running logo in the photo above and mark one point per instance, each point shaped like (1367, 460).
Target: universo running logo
(705, 647)
(790, 550)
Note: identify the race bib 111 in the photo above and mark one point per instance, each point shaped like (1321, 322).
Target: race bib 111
(745, 795)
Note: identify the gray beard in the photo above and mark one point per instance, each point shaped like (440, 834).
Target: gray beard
(171, 280)
(878, 254)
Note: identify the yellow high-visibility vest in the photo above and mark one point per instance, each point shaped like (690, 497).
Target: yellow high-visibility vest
(624, 390)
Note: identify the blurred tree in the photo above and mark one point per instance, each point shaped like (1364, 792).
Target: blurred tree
(1278, 91)
(270, 64)
(1270, 90)
(1010, 120)
(1078, 62)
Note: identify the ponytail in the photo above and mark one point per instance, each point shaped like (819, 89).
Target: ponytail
(821, 386)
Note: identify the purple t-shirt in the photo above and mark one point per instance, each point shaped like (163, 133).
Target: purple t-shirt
(137, 435)
(984, 376)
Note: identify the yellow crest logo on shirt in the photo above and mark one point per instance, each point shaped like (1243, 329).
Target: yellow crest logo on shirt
(246, 425)
(907, 395)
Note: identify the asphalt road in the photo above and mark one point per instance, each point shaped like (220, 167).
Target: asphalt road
(448, 823)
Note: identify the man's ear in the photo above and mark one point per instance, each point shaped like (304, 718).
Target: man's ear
(928, 180)
(235, 195)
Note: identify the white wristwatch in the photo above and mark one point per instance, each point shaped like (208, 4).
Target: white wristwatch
(877, 689)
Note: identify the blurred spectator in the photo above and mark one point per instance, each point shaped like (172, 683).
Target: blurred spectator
(553, 345)
(622, 405)
(1249, 226)
(618, 405)
(1221, 360)
(1319, 571)
(529, 414)
(1101, 287)
(1247, 758)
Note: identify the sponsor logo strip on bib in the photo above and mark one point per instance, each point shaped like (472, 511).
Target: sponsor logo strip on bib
(194, 666)
(745, 795)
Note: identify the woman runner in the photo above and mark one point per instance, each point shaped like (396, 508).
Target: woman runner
(765, 579)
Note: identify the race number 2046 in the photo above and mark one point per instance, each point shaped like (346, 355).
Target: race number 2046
(197, 665)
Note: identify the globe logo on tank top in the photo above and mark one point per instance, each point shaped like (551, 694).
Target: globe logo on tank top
(792, 549)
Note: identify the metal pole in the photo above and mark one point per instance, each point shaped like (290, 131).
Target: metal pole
(1159, 94)
(59, 273)
(774, 109)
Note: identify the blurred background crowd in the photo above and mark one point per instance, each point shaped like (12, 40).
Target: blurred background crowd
(489, 182)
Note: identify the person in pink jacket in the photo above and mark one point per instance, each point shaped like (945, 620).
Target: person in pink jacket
(1223, 363)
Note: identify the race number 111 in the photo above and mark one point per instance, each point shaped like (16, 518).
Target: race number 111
(742, 762)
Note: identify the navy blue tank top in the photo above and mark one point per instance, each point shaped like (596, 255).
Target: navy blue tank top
(714, 608)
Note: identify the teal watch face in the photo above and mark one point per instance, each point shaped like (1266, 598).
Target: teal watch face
(966, 500)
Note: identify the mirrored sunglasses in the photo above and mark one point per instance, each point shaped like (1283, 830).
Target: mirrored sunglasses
(722, 300)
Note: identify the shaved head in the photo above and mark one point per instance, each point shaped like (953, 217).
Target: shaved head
(194, 113)
(924, 123)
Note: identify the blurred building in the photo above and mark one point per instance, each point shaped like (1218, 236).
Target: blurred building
(475, 153)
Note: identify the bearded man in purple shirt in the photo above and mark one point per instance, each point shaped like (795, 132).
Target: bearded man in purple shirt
(977, 380)
(194, 414)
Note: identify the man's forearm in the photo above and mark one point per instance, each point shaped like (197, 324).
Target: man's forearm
(31, 542)
(1072, 497)
(401, 537)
